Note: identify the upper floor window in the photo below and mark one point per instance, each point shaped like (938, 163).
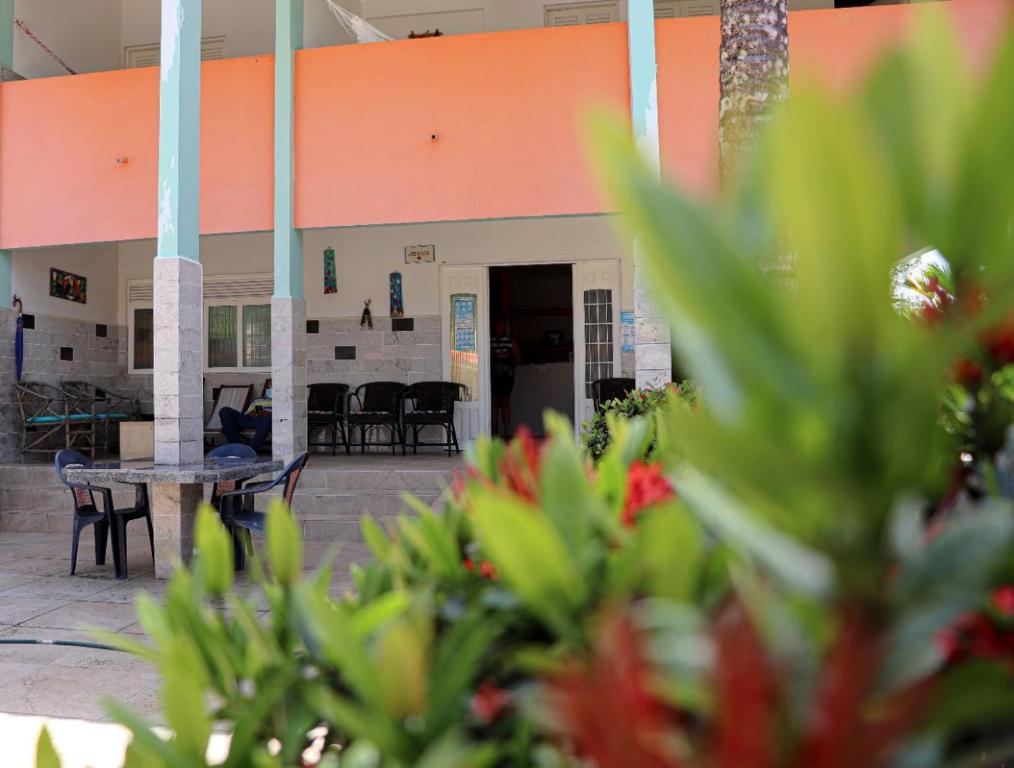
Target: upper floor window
(573, 14)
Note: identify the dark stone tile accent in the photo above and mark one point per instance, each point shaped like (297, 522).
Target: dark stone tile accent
(402, 324)
(29, 321)
(344, 353)
(67, 353)
(101, 330)
(313, 326)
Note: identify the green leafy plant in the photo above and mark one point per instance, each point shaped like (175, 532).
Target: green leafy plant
(597, 431)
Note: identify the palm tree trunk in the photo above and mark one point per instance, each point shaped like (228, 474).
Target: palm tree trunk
(754, 73)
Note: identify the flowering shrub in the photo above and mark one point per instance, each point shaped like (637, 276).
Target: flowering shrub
(764, 591)
(597, 431)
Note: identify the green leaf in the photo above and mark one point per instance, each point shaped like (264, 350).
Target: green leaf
(214, 565)
(284, 544)
(45, 753)
(376, 539)
(957, 561)
(798, 567)
(531, 556)
(566, 496)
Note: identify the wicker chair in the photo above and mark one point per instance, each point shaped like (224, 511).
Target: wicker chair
(109, 405)
(51, 419)
(430, 404)
(378, 407)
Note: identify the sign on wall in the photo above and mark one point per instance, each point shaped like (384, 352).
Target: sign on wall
(627, 331)
(463, 321)
(417, 254)
(67, 285)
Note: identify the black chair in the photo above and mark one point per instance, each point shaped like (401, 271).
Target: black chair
(604, 390)
(379, 406)
(229, 451)
(325, 410)
(432, 405)
(237, 507)
(108, 520)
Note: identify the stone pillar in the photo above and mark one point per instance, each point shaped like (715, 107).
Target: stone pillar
(288, 308)
(179, 336)
(652, 353)
(179, 361)
(288, 377)
(173, 509)
(10, 431)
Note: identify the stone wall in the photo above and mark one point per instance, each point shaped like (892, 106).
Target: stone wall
(380, 354)
(95, 359)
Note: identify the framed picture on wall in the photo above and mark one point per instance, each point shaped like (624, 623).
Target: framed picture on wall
(67, 285)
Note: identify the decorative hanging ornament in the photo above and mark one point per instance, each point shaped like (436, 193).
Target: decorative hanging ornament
(397, 304)
(366, 321)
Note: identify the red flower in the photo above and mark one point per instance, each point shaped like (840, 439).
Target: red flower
(967, 373)
(489, 702)
(1003, 600)
(1000, 341)
(646, 485)
(486, 569)
(608, 709)
(520, 465)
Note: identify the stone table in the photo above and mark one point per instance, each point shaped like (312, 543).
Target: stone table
(176, 492)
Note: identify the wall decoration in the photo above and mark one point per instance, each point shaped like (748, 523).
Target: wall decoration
(418, 254)
(627, 331)
(366, 321)
(397, 304)
(66, 285)
(330, 272)
(463, 321)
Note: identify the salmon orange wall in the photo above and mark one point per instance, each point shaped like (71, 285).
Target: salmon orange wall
(836, 46)
(61, 139)
(505, 107)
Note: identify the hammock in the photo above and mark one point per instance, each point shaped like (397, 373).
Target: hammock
(359, 28)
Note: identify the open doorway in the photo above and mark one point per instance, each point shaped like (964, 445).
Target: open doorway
(531, 321)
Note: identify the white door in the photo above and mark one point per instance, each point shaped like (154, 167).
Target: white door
(464, 322)
(596, 330)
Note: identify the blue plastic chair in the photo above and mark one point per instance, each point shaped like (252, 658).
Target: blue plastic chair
(237, 507)
(229, 451)
(107, 520)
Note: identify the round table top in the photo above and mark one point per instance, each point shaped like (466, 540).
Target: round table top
(211, 471)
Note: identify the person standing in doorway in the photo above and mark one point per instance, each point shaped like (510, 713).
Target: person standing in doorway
(505, 358)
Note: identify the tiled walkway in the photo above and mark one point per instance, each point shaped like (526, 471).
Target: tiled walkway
(40, 600)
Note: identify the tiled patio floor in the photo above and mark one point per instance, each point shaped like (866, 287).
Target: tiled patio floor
(40, 600)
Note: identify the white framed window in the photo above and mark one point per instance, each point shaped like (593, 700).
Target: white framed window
(237, 324)
(574, 14)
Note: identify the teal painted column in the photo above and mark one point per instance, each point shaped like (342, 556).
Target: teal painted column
(178, 283)
(652, 351)
(643, 78)
(288, 240)
(288, 306)
(179, 132)
(6, 62)
(7, 34)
